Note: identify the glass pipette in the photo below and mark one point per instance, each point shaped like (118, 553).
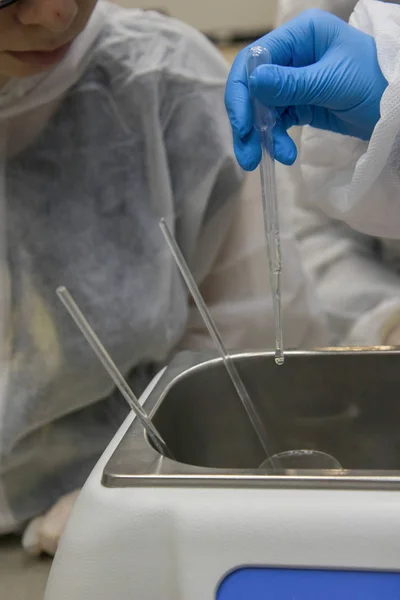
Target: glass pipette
(264, 121)
(216, 337)
(112, 370)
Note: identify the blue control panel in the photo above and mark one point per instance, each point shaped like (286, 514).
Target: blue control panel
(297, 584)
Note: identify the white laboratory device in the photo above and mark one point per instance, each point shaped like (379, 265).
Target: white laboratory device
(212, 525)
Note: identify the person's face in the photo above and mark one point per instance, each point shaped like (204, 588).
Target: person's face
(35, 34)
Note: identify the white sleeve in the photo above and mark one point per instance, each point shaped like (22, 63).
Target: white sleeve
(237, 288)
(359, 293)
(355, 181)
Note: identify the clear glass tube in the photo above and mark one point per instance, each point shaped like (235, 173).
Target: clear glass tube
(216, 337)
(264, 121)
(112, 370)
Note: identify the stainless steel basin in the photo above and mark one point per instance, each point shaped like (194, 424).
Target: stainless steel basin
(344, 403)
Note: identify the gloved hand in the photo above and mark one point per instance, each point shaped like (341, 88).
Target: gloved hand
(325, 73)
(43, 533)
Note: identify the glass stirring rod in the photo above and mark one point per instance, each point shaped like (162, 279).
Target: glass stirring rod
(264, 121)
(216, 337)
(112, 370)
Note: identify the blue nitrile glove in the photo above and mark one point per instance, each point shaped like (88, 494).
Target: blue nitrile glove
(325, 73)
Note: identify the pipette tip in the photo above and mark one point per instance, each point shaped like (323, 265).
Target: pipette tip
(279, 357)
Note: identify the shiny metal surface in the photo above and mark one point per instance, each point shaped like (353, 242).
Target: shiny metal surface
(344, 403)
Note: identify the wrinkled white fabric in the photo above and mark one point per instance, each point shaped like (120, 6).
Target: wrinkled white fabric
(140, 134)
(26, 105)
(357, 282)
(355, 181)
(356, 275)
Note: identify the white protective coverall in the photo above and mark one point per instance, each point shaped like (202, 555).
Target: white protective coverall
(346, 194)
(129, 128)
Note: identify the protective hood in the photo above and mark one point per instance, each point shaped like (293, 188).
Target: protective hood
(19, 96)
